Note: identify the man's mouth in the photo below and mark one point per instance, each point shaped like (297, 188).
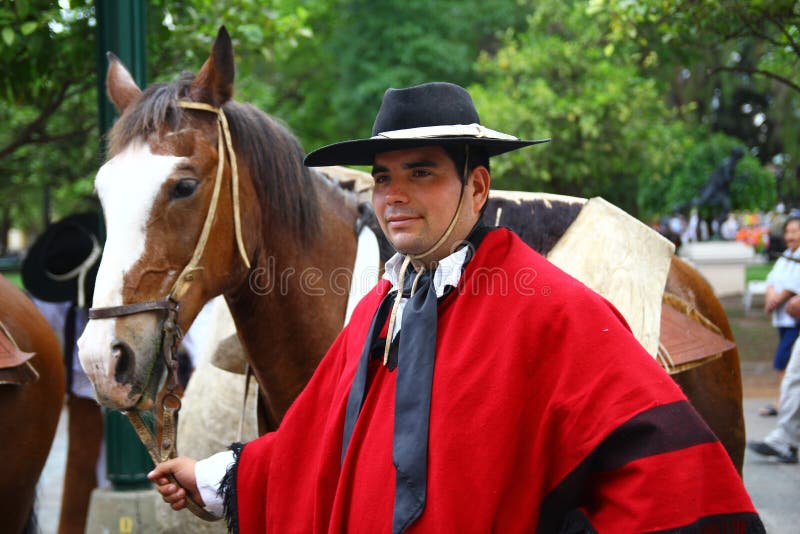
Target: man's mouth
(401, 224)
(400, 220)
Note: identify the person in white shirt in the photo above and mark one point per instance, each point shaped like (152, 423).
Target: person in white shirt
(783, 282)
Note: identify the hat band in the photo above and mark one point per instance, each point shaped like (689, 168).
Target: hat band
(447, 130)
(80, 271)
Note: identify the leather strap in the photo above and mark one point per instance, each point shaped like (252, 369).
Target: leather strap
(131, 309)
(166, 451)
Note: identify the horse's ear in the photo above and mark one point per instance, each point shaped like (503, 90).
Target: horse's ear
(214, 83)
(122, 89)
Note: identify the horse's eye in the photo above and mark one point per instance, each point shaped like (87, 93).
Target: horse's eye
(183, 188)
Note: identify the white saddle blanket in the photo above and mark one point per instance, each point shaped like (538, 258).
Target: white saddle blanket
(622, 259)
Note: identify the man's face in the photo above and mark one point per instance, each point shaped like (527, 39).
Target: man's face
(792, 235)
(416, 195)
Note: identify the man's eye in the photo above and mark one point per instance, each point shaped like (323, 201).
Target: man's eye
(421, 172)
(183, 188)
(381, 178)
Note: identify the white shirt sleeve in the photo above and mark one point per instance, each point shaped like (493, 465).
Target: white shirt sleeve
(208, 474)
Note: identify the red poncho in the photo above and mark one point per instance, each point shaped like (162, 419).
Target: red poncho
(544, 409)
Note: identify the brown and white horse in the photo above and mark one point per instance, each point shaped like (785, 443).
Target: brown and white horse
(29, 407)
(298, 230)
(284, 268)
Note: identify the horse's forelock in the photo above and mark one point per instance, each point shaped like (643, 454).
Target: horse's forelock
(153, 112)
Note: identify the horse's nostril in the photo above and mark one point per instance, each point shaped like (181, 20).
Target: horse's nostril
(123, 356)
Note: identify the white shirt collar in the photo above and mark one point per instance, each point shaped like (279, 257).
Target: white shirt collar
(789, 254)
(448, 271)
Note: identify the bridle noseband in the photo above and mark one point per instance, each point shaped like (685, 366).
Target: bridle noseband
(171, 334)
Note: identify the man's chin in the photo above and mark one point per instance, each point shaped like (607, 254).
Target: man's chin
(406, 247)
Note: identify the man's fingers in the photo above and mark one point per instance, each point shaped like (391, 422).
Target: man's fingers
(173, 495)
(175, 491)
(167, 489)
(161, 470)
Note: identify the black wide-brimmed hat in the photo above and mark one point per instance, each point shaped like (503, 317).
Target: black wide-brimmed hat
(62, 263)
(437, 113)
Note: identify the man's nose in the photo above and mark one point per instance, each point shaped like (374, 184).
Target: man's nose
(396, 192)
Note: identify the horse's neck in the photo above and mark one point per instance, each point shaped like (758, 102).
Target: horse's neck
(290, 312)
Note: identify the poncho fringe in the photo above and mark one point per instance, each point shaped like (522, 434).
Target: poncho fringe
(227, 490)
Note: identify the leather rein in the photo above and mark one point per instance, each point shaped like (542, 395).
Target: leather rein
(171, 334)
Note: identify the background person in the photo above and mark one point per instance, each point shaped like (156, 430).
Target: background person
(783, 282)
(783, 441)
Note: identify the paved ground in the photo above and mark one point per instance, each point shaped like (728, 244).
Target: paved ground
(774, 488)
(51, 481)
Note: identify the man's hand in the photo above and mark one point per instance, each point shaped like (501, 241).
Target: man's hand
(182, 468)
(793, 306)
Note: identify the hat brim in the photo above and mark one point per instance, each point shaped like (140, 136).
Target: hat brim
(363, 151)
(34, 276)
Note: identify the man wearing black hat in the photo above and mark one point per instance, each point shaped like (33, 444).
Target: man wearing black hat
(477, 388)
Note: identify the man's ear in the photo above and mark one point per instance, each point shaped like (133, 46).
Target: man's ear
(480, 179)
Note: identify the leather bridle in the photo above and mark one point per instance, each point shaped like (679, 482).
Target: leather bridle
(171, 334)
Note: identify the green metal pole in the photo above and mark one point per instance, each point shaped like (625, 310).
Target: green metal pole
(121, 28)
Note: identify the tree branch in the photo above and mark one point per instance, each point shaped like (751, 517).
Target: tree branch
(26, 134)
(785, 81)
(789, 39)
(41, 139)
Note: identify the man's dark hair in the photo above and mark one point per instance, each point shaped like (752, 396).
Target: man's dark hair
(477, 158)
(791, 218)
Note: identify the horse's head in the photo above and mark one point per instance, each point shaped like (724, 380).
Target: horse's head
(157, 190)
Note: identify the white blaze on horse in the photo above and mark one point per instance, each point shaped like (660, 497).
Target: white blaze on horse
(128, 186)
(204, 196)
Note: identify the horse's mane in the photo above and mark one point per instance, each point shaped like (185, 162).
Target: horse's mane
(284, 185)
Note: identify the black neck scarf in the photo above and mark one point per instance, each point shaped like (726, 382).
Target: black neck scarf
(415, 359)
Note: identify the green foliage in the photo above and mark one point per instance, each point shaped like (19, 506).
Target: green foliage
(331, 86)
(610, 127)
(736, 60)
(266, 35)
(47, 105)
(753, 188)
(628, 90)
(48, 99)
(180, 32)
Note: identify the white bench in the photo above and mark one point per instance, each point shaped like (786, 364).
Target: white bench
(755, 288)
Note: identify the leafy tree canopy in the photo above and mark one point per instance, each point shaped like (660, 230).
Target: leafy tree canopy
(48, 121)
(629, 91)
(611, 129)
(737, 60)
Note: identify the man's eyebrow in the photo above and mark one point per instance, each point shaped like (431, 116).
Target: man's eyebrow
(409, 165)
